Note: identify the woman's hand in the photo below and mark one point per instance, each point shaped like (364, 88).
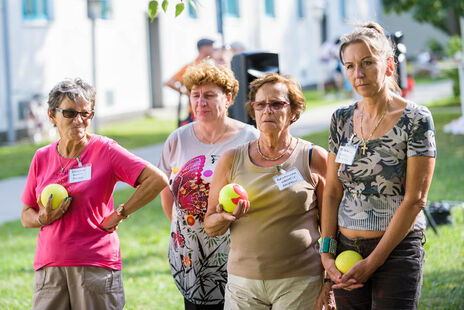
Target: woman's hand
(358, 274)
(47, 215)
(111, 222)
(326, 298)
(218, 222)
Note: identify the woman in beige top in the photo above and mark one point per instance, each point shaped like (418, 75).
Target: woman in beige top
(274, 260)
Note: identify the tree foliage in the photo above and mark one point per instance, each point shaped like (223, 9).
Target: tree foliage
(153, 7)
(443, 14)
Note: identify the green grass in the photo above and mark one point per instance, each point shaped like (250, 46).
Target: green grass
(145, 236)
(15, 160)
(314, 99)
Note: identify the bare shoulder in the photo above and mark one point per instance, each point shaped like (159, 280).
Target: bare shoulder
(319, 160)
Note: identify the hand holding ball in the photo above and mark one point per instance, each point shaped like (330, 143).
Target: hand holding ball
(58, 191)
(230, 195)
(346, 259)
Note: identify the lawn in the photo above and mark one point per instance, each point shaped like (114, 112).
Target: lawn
(315, 99)
(144, 241)
(15, 160)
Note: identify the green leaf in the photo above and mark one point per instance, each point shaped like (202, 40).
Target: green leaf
(179, 8)
(164, 5)
(152, 9)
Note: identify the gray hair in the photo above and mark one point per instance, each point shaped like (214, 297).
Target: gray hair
(72, 89)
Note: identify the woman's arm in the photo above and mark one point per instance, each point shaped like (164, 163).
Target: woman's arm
(167, 201)
(150, 183)
(319, 172)
(419, 174)
(333, 193)
(217, 221)
(44, 215)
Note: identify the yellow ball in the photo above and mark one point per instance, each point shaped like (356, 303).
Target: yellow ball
(346, 259)
(230, 195)
(58, 191)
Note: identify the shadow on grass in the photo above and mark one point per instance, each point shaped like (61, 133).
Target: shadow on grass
(443, 290)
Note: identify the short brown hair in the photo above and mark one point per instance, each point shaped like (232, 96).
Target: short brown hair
(295, 94)
(206, 72)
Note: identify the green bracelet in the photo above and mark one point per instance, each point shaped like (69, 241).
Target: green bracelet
(328, 245)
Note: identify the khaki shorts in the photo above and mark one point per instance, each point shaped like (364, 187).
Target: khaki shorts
(83, 287)
(281, 294)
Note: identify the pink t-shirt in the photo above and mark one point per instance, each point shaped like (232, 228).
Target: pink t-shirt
(77, 239)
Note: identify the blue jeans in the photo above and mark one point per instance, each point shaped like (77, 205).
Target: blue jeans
(395, 285)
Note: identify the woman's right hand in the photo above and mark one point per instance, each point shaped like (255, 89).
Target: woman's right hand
(218, 222)
(47, 215)
(328, 261)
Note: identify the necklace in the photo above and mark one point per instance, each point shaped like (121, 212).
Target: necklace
(215, 140)
(275, 158)
(69, 160)
(364, 147)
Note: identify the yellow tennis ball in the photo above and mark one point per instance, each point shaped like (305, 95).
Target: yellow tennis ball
(230, 195)
(58, 191)
(346, 259)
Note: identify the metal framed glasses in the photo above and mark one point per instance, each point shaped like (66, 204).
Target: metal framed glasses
(74, 113)
(274, 105)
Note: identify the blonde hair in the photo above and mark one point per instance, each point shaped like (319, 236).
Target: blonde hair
(373, 36)
(206, 72)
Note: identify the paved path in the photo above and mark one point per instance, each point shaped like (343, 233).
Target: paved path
(311, 121)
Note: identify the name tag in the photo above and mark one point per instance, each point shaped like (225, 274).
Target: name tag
(346, 154)
(80, 174)
(288, 178)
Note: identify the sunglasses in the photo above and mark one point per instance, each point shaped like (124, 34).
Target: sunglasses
(73, 113)
(274, 105)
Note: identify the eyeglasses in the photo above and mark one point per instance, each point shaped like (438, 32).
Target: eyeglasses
(73, 113)
(274, 105)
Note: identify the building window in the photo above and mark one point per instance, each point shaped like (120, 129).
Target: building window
(192, 12)
(35, 9)
(269, 8)
(106, 9)
(231, 8)
(342, 9)
(300, 9)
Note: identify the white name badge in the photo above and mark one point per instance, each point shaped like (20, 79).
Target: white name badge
(288, 178)
(346, 154)
(80, 174)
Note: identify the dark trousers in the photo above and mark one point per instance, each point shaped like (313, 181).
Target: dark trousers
(191, 306)
(395, 285)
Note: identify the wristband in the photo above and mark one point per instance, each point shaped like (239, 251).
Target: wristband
(38, 221)
(328, 245)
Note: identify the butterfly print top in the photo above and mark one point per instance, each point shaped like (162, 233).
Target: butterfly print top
(198, 262)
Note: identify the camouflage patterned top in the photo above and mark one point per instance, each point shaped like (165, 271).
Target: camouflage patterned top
(374, 185)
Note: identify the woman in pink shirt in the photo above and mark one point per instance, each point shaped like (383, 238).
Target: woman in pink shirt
(78, 260)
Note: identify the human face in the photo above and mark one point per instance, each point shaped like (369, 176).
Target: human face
(366, 71)
(271, 118)
(209, 102)
(71, 128)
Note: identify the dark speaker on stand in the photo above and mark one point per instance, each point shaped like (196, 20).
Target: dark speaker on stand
(247, 67)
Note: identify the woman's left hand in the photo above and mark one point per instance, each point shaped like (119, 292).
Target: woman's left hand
(111, 222)
(356, 276)
(326, 298)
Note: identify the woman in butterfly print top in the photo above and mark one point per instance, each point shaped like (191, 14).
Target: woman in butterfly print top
(373, 201)
(190, 155)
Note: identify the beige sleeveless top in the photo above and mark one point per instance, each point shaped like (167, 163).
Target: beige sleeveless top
(278, 238)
